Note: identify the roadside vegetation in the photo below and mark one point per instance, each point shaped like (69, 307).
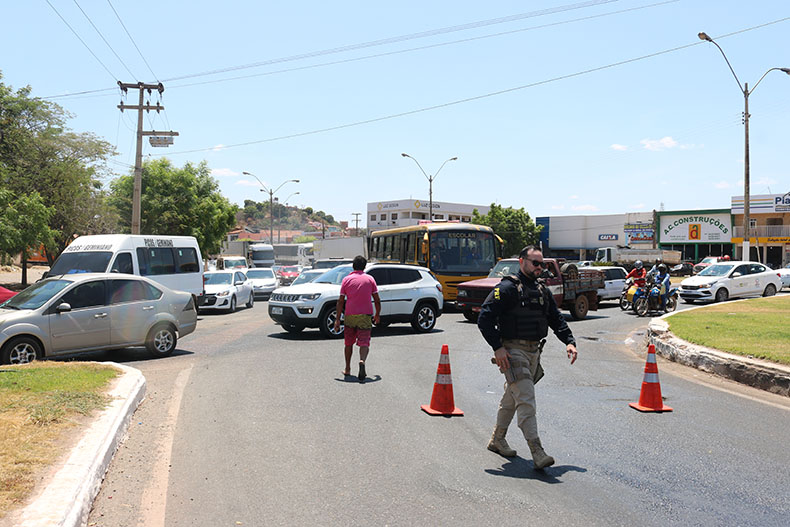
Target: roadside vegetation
(39, 402)
(757, 328)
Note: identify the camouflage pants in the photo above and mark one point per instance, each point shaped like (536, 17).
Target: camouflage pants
(519, 396)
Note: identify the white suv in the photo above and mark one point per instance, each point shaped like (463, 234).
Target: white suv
(408, 294)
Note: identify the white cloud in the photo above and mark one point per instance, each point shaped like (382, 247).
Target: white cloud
(657, 145)
(574, 197)
(223, 172)
(722, 185)
(218, 147)
(621, 148)
(558, 207)
(248, 183)
(591, 208)
(764, 182)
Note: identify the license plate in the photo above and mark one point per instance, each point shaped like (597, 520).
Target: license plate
(277, 310)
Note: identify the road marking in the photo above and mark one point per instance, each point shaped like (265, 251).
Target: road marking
(153, 502)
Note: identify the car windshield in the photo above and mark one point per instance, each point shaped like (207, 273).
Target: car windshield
(36, 295)
(709, 260)
(503, 268)
(334, 276)
(83, 262)
(260, 273)
(717, 270)
(307, 276)
(231, 263)
(289, 269)
(217, 278)
(328, 264)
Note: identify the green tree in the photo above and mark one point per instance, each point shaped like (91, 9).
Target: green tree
(23, 226)
(178, 201)
(514, 226)
(303, 239)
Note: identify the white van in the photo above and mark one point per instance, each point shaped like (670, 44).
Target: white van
(173, 261)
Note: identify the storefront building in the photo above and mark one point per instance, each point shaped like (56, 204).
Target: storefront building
(769, 228)
(405, 212)
(696, 233)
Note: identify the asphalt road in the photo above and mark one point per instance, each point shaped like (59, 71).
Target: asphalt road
(248, 425)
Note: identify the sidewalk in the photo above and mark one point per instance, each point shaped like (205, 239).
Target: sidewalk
(11, 276)
(66, 498)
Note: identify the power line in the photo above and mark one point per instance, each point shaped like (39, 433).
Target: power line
(412, 36)
(104, 39)
(83, 42)
(470, 99)
(133, 42)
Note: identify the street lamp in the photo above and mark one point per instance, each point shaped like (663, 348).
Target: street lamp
(271, 200)
(746, 92)
(430, 182)
(279, 216)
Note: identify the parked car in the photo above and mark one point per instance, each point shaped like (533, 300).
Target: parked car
(263, 281)
(784, 275)
(288, 274)
(5, 294)
(225, 289)
(307, 276)
(408, 294)
(329, 263)
(682, 269)
(731, 279)
(91, 312)
(614, 282)
(708, 261)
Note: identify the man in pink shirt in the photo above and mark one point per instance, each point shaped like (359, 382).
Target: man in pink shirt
(355, 294)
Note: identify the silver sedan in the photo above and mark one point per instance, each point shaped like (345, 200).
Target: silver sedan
(91, 312)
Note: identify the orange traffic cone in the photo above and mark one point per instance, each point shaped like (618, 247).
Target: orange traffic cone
(442, 399)
(650, 397)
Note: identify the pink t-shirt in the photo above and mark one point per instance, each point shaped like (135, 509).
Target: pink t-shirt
(358, 289)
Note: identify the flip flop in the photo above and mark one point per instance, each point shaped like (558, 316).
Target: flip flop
(345, 373)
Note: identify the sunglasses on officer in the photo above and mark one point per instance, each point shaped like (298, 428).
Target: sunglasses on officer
(536, 263)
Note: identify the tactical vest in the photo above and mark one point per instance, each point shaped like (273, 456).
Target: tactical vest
(528, 319)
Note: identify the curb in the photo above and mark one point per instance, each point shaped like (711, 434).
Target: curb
(68, 497)
(768, 376)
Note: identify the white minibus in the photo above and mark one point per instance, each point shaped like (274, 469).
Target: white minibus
(173, 261)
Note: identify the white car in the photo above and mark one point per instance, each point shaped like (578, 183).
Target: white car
(784, 275)
(732, 279)
(408, 294)
(263, 281)
(226, 289)
(614, 282)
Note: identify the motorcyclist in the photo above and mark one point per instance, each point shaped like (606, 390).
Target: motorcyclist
(638, 273)
(654, 270)
(662, 281)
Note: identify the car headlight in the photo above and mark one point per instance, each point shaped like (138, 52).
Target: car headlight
(312, 296)
(708, 286)
(462, 292)
(223, 293)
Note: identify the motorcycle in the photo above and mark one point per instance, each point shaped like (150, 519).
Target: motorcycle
(651, 300)
(627, 295)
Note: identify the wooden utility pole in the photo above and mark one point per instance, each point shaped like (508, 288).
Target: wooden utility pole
(138, 159)
(356, 222)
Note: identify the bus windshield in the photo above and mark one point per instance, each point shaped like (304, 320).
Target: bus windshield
(462, 252)
(263, 254)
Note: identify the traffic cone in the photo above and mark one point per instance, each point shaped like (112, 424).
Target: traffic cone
(650, 397)
(442, 399)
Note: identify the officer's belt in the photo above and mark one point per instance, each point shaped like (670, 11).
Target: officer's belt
(525, 345)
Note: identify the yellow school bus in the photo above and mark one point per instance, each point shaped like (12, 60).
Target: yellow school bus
(455, 252)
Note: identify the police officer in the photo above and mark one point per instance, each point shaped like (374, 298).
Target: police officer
(514, 320)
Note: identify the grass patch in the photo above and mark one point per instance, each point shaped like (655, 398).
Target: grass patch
(759, 328)
(38, 403)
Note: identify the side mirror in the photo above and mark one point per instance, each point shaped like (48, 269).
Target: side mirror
(238, 282)
(736, 274)
(44, 274)
(63, 307)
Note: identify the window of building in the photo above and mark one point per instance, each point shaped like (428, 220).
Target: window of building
(752, 223)
(394, 215)
(383, 217)
(438, 216)
(466, 219)
(372, 217)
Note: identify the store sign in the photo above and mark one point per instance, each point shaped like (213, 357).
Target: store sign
(763, 203)
(696, 228)
(607, 237)
(639, 232)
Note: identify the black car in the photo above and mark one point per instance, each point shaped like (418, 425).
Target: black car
(682, 269)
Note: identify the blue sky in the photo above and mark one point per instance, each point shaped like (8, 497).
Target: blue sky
(500, 85)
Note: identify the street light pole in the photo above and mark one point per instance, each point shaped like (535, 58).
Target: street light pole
(746, 92)
(430, 181)
(279, 216)
(271, 200)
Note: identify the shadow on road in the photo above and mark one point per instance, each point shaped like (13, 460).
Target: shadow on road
(522, 469)
(119, 355)
(400, 331)
(354, 379)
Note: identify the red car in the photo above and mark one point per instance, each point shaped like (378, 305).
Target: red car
(5, 294)
(288, 274)
(708, 261)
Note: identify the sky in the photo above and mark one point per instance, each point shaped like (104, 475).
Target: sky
(560, 107)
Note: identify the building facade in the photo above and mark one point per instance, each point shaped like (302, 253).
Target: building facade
(405, 212)
(696, 233)
(769, 228)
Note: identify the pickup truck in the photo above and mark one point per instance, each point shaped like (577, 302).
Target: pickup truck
(574, 288)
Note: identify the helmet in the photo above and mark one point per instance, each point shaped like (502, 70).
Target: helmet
(662, 268)
(638, 264)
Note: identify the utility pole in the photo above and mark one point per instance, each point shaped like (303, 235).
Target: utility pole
(138, 159)
(356, 222)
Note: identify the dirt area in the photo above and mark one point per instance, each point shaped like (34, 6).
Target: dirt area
(11, 276)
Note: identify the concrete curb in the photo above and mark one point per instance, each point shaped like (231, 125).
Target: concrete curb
(68, 497)
(768, 376)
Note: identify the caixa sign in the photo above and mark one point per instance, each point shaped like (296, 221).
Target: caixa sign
(607, 237)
